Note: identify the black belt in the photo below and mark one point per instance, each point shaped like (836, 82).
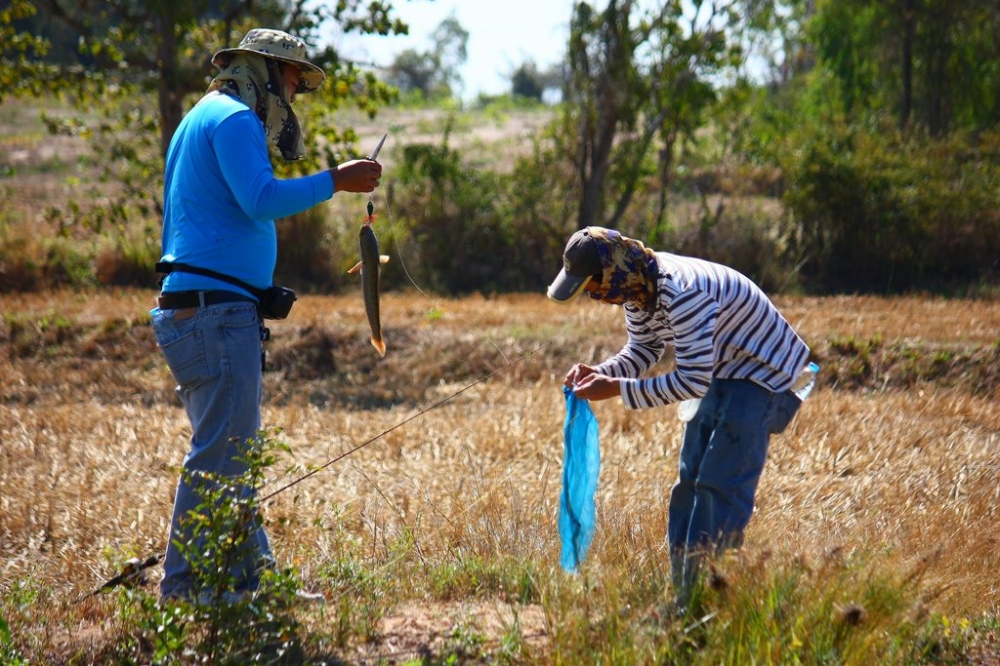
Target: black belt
(177, 300)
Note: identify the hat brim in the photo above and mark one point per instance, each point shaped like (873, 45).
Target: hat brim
(311, 74)
(567, 287)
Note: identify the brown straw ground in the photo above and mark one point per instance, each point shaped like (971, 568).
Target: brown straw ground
(893, 459)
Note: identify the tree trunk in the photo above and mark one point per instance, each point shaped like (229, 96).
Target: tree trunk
(168, 88)
(909, 30)
(598, 160)
(607, 100)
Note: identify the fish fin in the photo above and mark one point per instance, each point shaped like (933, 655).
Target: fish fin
(379, 345)
(357, 267)
(383, 258)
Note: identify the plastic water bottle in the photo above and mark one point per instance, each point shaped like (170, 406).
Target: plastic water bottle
(687, 409)
(805, 382)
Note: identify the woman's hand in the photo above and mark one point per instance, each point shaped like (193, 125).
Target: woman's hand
(589, 385)
(576, 373)
(595, 386)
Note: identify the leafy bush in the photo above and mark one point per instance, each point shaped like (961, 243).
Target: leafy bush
(464, 223)
(881, 211)
(257, 627)
(306, 256)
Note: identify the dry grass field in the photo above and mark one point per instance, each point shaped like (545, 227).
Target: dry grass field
(890, 468)
(875, 538)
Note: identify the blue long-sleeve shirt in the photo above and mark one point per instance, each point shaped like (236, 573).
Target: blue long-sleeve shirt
(719, 323)
(221, 197)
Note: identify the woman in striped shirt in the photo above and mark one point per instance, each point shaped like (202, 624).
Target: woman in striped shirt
(732, 349)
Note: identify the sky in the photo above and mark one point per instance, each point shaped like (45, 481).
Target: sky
(502, 35)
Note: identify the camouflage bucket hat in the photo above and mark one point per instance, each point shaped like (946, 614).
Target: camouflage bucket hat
(280, 46)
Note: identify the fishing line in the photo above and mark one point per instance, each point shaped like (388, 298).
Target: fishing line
(406, 272)
(134, 568)
(423, 411)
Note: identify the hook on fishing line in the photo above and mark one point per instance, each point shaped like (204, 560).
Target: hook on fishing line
(374, 158)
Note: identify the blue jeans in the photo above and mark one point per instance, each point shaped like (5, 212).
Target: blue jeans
(721, 461)
(214, 354)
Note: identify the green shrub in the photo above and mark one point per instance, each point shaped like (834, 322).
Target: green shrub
(880, 211)
(256, 628)
(449, 211)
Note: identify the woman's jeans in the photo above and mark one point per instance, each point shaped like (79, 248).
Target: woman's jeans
(214, 353)
(722, 457)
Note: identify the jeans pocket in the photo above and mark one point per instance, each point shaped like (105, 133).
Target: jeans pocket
(238, 316)
(785, 406)
(186, 358)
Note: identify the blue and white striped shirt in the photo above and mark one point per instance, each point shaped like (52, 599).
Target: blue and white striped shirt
(720, 325)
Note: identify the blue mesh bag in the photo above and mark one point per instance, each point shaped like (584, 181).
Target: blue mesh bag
(581, 467)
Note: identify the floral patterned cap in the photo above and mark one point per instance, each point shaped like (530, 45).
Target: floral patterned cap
(280, 46)
(624, 269)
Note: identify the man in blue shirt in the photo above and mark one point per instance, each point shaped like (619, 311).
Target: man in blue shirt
(220, 202)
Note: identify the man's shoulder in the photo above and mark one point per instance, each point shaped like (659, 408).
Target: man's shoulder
(216, 107)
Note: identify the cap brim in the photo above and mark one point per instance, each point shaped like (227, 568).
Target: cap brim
(566, 287)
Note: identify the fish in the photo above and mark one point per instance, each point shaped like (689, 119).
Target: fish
(369, 268)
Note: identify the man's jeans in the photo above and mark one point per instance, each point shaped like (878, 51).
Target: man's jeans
(214, 353)
(722, 458)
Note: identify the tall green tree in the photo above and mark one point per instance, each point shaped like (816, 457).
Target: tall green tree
(23, 52)
(640, 81)
(528, 81)
(166, 45)
(888, 137)
(935, 63)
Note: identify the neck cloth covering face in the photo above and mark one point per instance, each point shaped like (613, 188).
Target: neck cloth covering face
(630, 270)
(259, 82)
